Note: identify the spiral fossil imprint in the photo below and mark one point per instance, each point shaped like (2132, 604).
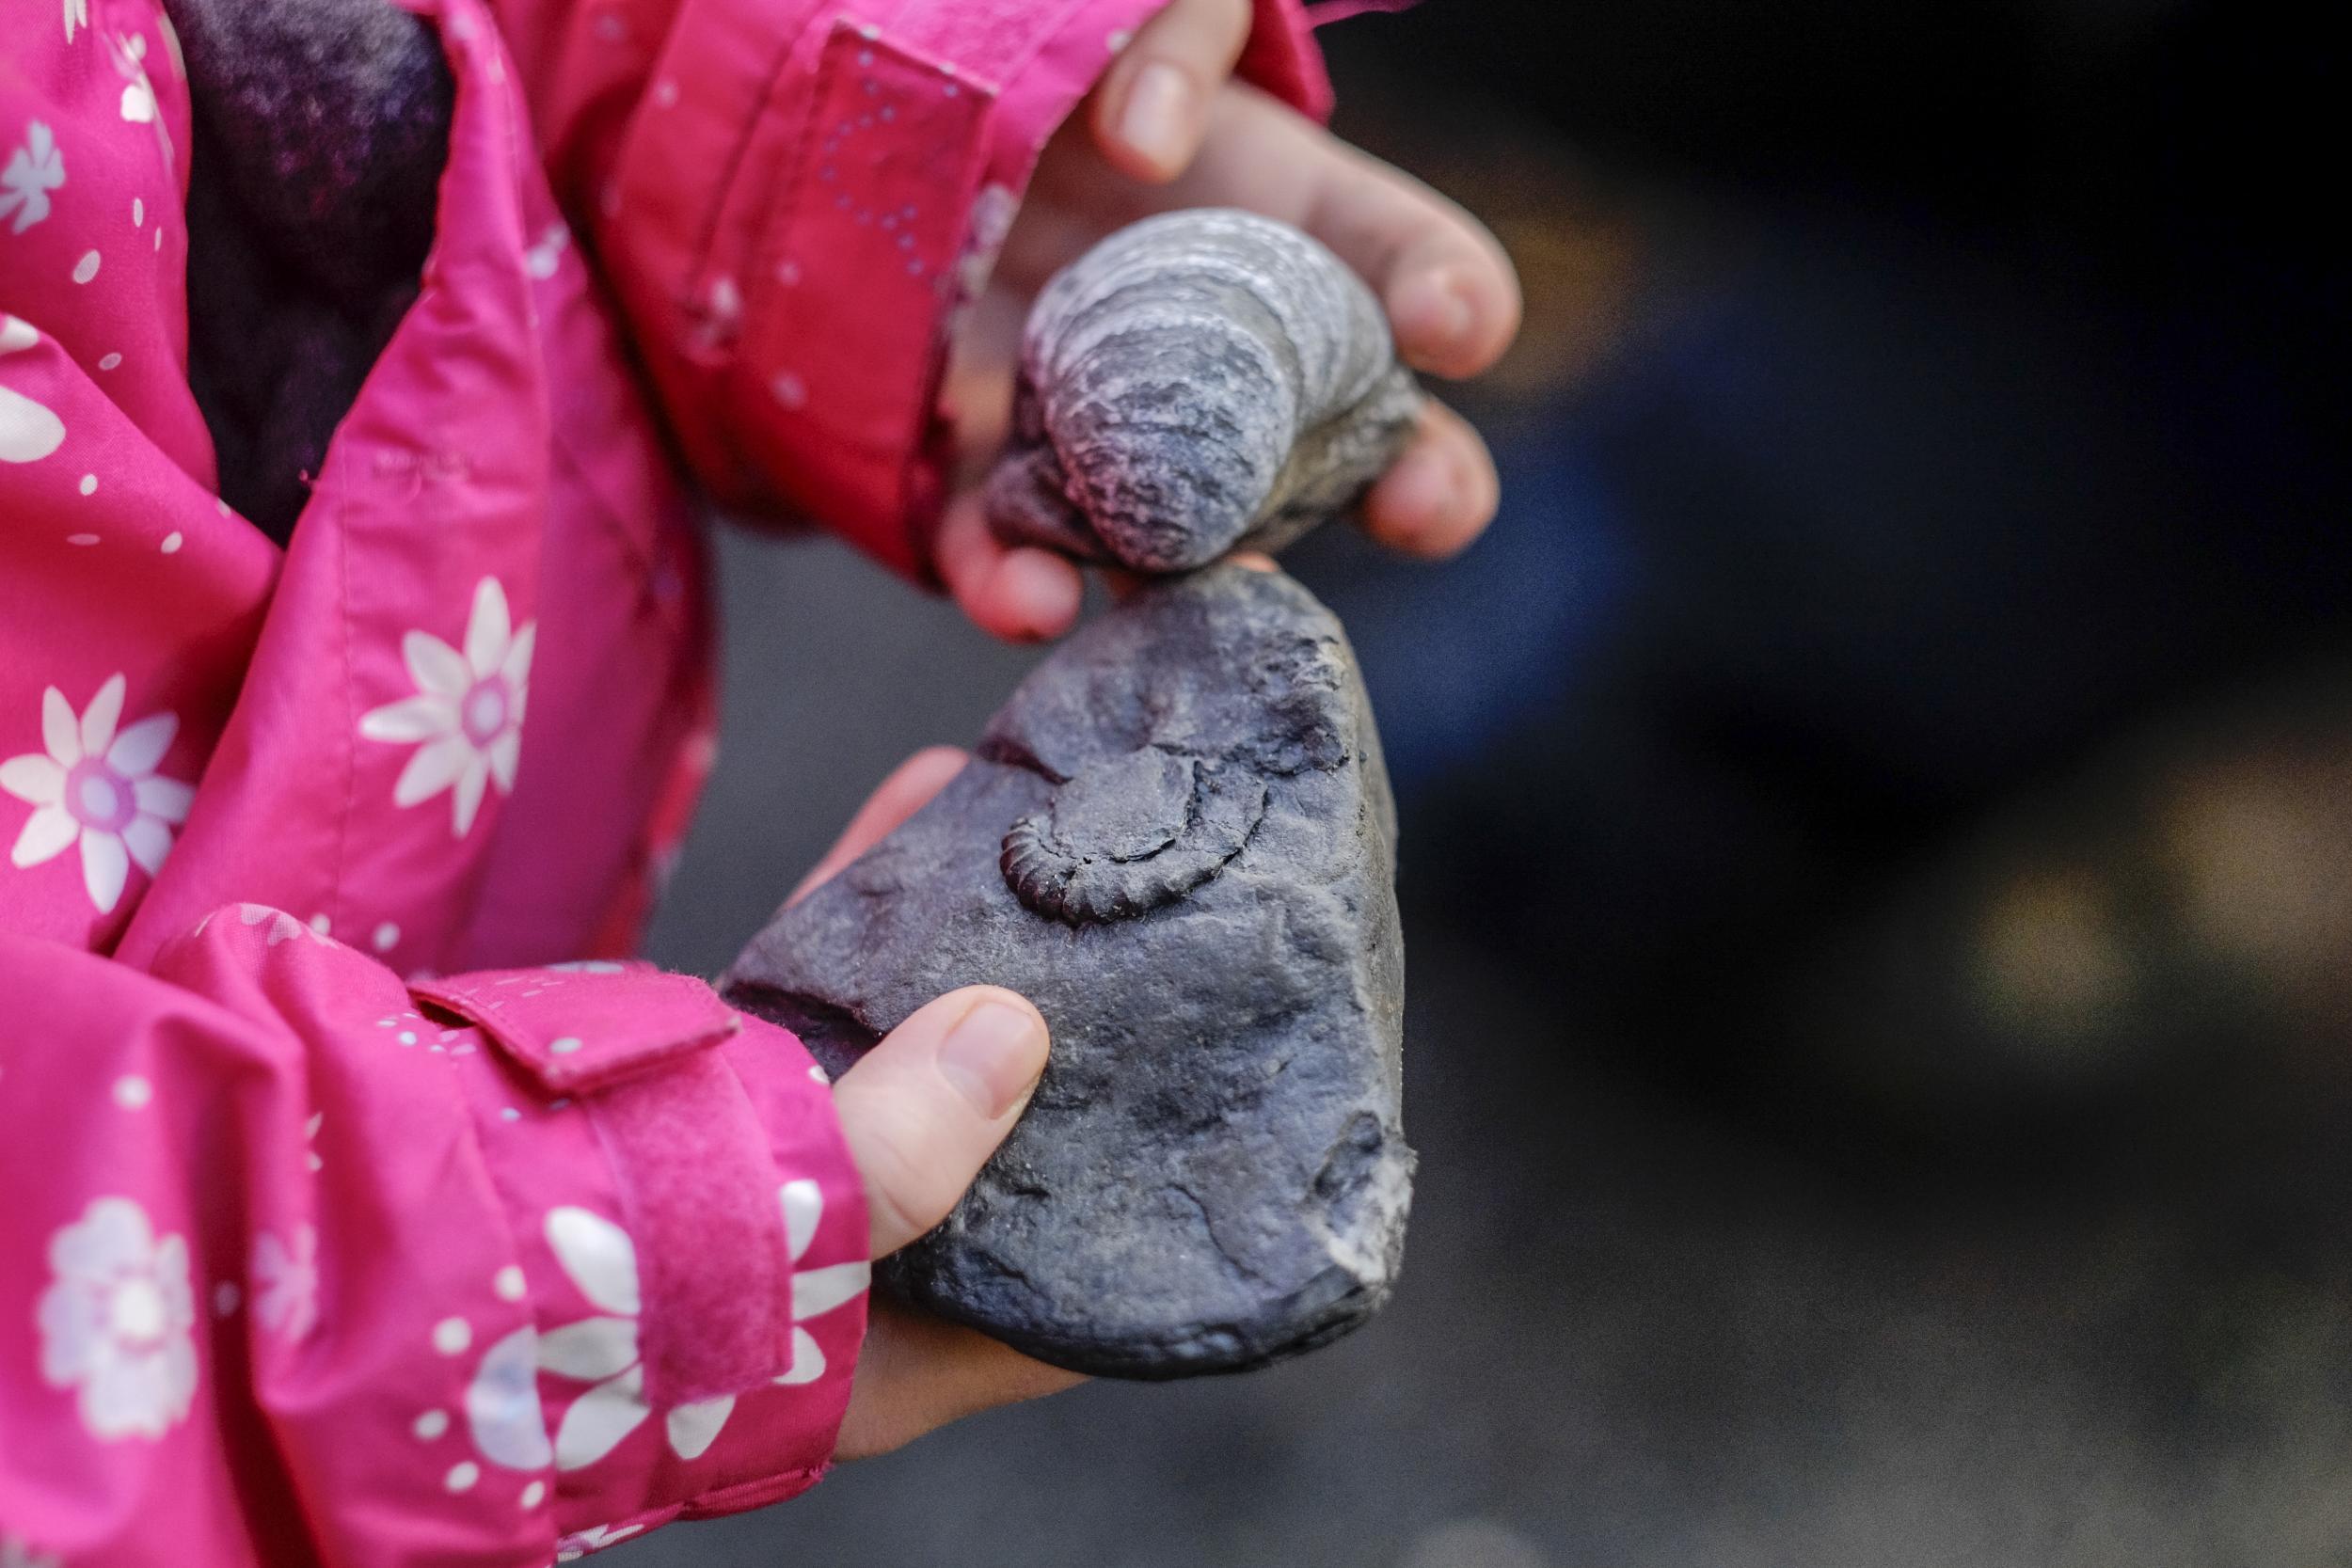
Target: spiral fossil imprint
(1200, 381)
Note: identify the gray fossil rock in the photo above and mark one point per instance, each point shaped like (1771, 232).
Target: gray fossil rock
(1177, 839)
(1200, 381)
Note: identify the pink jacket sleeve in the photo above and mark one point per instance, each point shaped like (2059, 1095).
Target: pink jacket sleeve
(792, 198)
(304, 1265)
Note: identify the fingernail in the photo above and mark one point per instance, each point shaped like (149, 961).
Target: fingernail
(1153, 121)
(992, 1056)
(1434, 310)
(1421, 491)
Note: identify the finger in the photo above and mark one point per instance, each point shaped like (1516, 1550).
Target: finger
(1153, 106)
(1019, 593)
(1440, 495)
(918, 1373)
(924, 1110)
(910, 784)
(1452, 296)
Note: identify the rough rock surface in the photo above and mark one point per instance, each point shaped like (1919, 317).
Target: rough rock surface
(1203, 381)
(1177, 839)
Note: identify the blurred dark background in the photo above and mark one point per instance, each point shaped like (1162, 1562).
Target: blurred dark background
(1878, 834)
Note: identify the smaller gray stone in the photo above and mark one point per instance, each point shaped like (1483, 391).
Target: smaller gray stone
(1177, 840)
(1200, 382)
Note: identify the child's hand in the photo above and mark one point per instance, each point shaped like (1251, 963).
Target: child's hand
(922, 1111)
(1166, 129)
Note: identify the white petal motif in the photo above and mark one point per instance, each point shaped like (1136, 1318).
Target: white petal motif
(598, 1256)
(502, 1404)
(113, 1236)
(467, 798)
(599, 1418)
(105, 866)
(419, 718)
(804, 1206)
(515, 666)
(505, 755)
(590, 1350)
(808, 1359)
(139, 748)
(488, 630)
(819, 1290)
(166, 799)
(431, 768)
(100, 718)
(59, 730)
(47, 834)
(438, 668)
(693, 1428)
(149, 842)
(28, 430)
(34, 779)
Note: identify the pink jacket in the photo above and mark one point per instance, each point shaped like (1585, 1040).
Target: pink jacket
(361, 1207)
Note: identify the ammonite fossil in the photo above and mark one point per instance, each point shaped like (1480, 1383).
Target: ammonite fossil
(1175, 838)
(1203, 381)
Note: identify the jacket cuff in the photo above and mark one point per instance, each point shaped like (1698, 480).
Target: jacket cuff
(792, 237)
(690, 1233)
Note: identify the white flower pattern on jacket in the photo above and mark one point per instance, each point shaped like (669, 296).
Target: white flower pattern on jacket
(98, 785)
(29, 431)
(115, 1322)
(602, 1351)
(32, 171)
(468, 712)
(286, 1278)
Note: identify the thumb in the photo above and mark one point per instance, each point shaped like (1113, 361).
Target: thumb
(924, 1110)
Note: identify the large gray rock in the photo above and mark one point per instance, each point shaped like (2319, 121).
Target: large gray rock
(1177, 839)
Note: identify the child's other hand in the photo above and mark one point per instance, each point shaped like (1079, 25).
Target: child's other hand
(1168, 128)
(922, 1111)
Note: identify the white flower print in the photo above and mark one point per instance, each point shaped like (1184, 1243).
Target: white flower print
(32, 171)
(502, 1407)
(602, 1262)
(29, 431)
(283, 927)
(815, 1292)
(595, 1538)
(76, 14)
(286, 1281)
(100, 787)
(468, 711)
(115, 1322)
